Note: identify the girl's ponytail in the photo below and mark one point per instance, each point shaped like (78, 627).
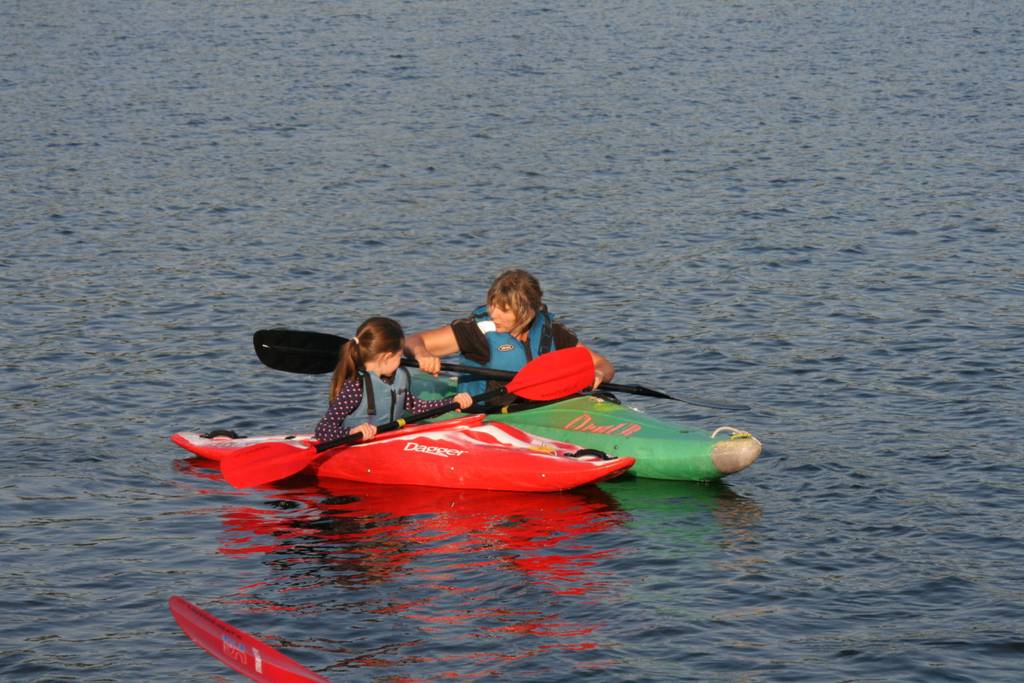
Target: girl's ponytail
(350, 361)
(373, 338)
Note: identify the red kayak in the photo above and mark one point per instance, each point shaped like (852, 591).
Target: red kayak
(464, 453)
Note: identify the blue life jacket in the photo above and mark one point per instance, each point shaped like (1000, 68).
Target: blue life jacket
(381, 402)
(507, 352)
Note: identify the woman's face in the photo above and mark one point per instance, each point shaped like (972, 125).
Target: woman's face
(505, 320)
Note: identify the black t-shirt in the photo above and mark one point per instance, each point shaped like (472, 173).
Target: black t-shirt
(473, 344)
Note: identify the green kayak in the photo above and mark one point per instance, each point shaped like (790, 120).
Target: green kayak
(662, 450)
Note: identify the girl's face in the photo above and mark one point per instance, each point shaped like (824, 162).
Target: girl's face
(505, 320)
(388, 362)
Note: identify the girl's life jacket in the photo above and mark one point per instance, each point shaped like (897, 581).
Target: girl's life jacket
(382, 402)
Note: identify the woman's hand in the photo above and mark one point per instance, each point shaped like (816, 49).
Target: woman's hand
(603, 369)
(464, 400)
(367, 430)
(429, 364)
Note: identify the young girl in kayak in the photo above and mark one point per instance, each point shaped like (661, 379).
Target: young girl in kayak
(513, 328)
(369, 387)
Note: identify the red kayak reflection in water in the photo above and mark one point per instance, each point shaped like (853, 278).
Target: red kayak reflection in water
(469, 583)
(384, 529)
(451, 563)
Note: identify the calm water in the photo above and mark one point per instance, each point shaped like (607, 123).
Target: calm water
(810, 207)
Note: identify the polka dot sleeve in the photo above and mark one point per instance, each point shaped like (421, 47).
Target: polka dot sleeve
(414, 404)
(330, 425)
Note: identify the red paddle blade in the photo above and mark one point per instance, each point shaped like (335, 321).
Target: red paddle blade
(554, 375)
(266, 462)
(236, 648)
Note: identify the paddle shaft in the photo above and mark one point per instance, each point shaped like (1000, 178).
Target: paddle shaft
(264, 463)
(489, 373)
(552, 375)
(320, 355)
(401, 422)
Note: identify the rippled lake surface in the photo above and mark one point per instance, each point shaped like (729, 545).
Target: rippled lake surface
(813, 208)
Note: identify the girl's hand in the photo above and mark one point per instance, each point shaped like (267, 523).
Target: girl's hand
(598, 378)
(429, 364)
(464, 400)
(367, 430)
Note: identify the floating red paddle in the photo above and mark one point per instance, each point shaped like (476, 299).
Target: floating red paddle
(236, 648)
(550, 376)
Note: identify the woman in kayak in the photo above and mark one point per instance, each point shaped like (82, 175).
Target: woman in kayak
(369, 388)
(513, 328)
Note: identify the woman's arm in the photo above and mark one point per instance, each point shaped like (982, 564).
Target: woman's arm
(428, 347)
(603, 368)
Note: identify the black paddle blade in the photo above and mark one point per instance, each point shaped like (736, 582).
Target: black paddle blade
(306, 353)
